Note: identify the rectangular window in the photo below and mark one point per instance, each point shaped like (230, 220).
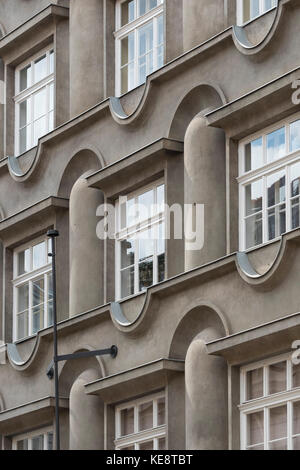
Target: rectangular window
(37, 440)
(141, 424)
(140, 240)
(33, 293)
(269, 169)
(34, 100)
(247, 10)
(270, 405)
(139, 41)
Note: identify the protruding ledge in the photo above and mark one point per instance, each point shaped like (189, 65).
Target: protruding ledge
(258, 342)
(27, 415)
(150, 376)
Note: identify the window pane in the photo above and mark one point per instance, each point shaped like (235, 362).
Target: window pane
(127, 12)
(294, 135)
(51, 121)
(278, 422)
(39, 104)
(38, 292)
(254, 8)
(276, 188)
(296, 417)
(146, 416)
(162, 443)
(142, 7)
(160, 198)
(295, 213)
(146, 445)
(127, 49)
(277, 377)
(37, 318)
(296, 443)
(146, 244)
(145, 38)
(51, 97)
(39, 255)
(23, 297)
(25, 78)
(25, 139)
(38, 443)
(127, 78)
(127, 253)
(255, 386)
(254, 154)
(128, 213)
(296, 375)
(145, 205)
(127, 282)
(253, 227)
(161, 267)
(50, 441)
(295, 179)
(145, 274)
(22, 445)
(39, 129)
(246, 10)
(22, 325)
(51, 59)
(161, 412)
(127, 421)
(276, 222)
(24, 262)
(152, 4)
(254, 194)
(276, 144)
(255, 427)
(40, 68)
(24, 113)
(278, 445)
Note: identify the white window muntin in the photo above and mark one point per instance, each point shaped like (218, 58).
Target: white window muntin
(139, 437)
(256, 9)
(45, 433)
(133, 27)
(133, 231)
(262, 172)
(268, 401)
(27, 279)
(28, 94)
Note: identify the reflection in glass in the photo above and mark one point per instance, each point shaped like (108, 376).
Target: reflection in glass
(38, 443)
(39, 255)
(278, 422)
(294, 136)
(146, 416)
(277, 377)
(25, 78)
(24, 262)
(127, 282)
(127, 421)
(255, 428)
(254, 154)
(40, 68)
(255, 385)
(276, 144)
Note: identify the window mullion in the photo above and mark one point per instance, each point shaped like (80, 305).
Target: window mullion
(288, 199)
(266, 428)
(289, 425)
(30, 303)
(265, 210)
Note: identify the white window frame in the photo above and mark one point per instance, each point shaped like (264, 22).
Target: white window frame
(267, 169)
(240, 11)
(139, 437)
(128, 232)
(28, 278)
(267, 401)
(29, 92)
(30, 436)
(133, 26)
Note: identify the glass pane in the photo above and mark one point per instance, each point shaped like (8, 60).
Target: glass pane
(51, 121)
(254, 154)
(38, 292)
(162, 444)
(246, 10)
(51, 97)
(152, 4)
(296, 443)
(278, 445)
(22, 325)
(253, 226)
(254, 8)
(25, 78)
(39, 104)
(161, 267)
(23, 297)
(295, 213)
(146, 244)
(127, 78)
(127, 12)
(296, 375)
(161, 238)
(146, 445)
(255, 385)
(40, 68)
(161, 412)
(51, 60)
(37, 318)
(160, 195)
(260, 447)
(278, 422)
(294, 135)
(146, 416)
(145, 205)
(22, 445)
(277, 377)
(24, 113)
(127, 421)
(127, 282)
(142, 7)
(145, 274)
(276, 188)
(50, 441)
(39, 129)
(38, 442)
(255, 428)
(24, 262)
(39, 255)
(127, 253)
(295, 179)
(254, 194)
(25, 139)
(145, 39)
(276, 144)
(276, 222)
(296, 417)
(127, 49)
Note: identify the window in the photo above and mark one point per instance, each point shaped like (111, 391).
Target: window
(33, 293)
(34, 100)
(270, 409)
(141, 425)
(269, 180)
(38, 440)
(139, 42)
(249, 9)
(140, 240)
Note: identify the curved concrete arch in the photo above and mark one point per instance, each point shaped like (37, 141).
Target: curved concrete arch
(241, 40)
(199, 317)
(83, 160)
(204, 95)
(15, 169)
(279, 266)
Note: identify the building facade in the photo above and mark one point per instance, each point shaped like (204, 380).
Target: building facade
(188, 109)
